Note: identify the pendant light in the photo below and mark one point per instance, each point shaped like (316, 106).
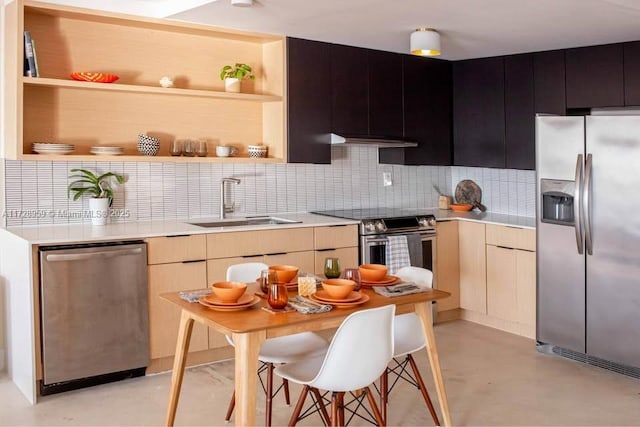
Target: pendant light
(425, 42)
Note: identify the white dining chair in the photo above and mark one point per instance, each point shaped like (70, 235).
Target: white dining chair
(274, 351)
(408, 338)
(354, 360)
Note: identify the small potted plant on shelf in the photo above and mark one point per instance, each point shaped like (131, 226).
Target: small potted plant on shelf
(99, 188)
(233, 76)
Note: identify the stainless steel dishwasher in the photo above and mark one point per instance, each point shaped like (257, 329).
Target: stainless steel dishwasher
(94, 314)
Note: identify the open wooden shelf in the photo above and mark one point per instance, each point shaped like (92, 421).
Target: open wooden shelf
(74, 84)
(55, 108)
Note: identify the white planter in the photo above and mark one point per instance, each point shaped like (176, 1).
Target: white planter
(232, 85)
(99, 211)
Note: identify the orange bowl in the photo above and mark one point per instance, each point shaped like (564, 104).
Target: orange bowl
(229, 292)
(373, 272)
(460, 207)
(338, 288)
(285, 273)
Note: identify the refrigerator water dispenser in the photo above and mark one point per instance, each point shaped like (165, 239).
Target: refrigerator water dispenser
(557, 201)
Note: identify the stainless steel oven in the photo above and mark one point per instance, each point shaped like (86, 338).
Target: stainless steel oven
(373, 248)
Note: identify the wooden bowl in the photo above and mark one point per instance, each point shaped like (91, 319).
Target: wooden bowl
(338, 288)
(229, 292)
(373, 272)
(285, 273)
(461, 207)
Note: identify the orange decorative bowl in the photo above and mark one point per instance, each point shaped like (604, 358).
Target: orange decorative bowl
(285, 273)
(338, 288)
(229, 292)
(373, 272)
(460, 207)
(94, 77)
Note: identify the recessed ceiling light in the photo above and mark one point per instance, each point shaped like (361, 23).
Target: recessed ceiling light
(242, 3)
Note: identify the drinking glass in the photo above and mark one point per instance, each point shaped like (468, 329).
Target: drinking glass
(331, 268)
(266, 277)
(306, 284)
(189, 148)
(353, 274)
(175, 148)
(201, 148)
(278, 295)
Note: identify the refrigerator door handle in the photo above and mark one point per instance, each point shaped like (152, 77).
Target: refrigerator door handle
(587, 204)
(577, 204)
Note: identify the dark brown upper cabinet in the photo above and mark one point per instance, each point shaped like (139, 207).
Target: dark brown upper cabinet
(549, 82)
(479, 113)
(519, 112)
(427, 113)
(632, 73)
(385, 94)
(595, 76)
(309, 105)
(350, 90)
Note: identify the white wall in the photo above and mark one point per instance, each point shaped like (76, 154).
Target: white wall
(2, 299)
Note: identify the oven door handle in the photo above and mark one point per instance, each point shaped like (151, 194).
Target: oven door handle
(425, 238)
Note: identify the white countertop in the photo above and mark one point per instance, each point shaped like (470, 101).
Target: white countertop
(84, 233)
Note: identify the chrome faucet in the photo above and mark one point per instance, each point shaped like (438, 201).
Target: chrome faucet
(224, 207)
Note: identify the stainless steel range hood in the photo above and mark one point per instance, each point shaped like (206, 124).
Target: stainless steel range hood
(371, 142)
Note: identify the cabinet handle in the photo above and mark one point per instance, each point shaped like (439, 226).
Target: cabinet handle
(504, 247)
(276, 253)
(338, 225)
(193, 261)
(178, 235)
(251, 256)
(325, 250)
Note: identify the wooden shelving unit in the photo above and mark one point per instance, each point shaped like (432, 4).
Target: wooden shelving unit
(55, 108)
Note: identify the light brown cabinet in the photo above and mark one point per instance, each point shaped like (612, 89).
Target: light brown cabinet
(473, 266)
(348, 258)
(338, 241)
(447, 272)
(162, 250)
(53, 107)
(502, 292)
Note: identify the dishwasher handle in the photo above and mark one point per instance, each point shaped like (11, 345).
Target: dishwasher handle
(84, 256)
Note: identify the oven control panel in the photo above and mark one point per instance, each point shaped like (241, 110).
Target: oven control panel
(400, 224)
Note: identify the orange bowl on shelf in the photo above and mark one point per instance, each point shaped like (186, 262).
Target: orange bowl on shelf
(94, 77)
(229, 292)
(372, 272)
(285, 273)
(461, 207)
(338, 288)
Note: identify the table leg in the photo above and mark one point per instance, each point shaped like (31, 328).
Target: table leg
(247, 347)
(179, 362)
(423, 310)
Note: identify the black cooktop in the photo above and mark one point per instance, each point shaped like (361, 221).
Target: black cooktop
(375, 213)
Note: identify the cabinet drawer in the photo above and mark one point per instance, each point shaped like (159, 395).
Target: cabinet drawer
(247, 243)
(337, 236)
(302, 260)
(511, 237)
(162, 250)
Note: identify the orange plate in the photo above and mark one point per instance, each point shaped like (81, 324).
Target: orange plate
(214, 300)
(461, 207)
(362, 300)
(253, 302)
(94, 77)
(388, 280)
(323, 295)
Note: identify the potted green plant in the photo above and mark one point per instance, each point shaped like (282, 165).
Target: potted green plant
(233, 76)
(98, 187)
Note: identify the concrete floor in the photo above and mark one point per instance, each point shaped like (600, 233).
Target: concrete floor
(492, 378)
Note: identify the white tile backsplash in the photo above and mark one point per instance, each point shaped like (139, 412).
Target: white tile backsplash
(191, 190)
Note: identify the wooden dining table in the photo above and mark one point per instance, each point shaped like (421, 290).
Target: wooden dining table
(250, 328)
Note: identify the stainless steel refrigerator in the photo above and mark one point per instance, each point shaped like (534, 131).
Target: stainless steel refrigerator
(588, 225)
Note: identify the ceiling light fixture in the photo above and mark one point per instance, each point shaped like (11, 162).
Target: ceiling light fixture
(242, 3)
(425, 42)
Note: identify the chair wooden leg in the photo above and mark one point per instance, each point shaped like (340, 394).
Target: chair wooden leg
(296, 412)
(323, 408)
(232, 405)
(384, 393)
(423, 389)
(267, 419)
(334, 409)
(285, 385)
(341, 408)
(374, 407)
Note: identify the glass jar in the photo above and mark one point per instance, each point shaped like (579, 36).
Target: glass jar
(278, 295)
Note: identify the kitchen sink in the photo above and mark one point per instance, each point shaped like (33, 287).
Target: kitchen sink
(240, 222)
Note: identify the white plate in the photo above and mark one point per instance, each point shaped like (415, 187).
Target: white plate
(39, 151)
